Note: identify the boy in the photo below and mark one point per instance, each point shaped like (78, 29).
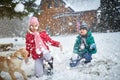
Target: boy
(84, 46)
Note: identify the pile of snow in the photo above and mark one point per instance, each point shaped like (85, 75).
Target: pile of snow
(104, 66)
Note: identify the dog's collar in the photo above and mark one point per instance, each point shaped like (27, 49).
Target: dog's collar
(20, 58)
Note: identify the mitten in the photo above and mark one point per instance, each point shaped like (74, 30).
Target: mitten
(93, 46)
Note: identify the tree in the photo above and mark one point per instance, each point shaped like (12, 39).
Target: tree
(7, 8)
(110, 15)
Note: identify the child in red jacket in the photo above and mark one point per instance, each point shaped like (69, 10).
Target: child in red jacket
(36, 45)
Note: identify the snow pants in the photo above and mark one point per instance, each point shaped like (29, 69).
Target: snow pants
(87, 56)
(39, 64)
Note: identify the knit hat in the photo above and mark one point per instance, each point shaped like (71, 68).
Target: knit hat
(84, 27)
(34, 20)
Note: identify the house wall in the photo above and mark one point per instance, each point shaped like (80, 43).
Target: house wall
(64, 24)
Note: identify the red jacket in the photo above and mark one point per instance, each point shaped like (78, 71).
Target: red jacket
(30, 43)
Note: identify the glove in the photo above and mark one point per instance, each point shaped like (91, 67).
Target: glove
(93, 46)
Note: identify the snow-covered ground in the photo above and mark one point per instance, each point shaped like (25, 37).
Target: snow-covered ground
(104, 66)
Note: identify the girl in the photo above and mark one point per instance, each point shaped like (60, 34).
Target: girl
(36, 45)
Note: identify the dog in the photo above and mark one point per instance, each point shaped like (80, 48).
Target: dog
(13, 63)
(6, 47)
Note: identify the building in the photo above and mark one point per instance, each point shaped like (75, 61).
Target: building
(58, 19)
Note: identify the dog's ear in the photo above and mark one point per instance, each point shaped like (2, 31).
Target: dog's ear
(16, 54)
(24, 53)
(21, 52)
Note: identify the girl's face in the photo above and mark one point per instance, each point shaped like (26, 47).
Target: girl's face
(83, 32)
(33, 28)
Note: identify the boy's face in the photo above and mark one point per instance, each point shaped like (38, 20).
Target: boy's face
(83, 32)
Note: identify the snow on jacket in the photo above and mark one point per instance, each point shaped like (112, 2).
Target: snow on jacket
(89, 41)
(31, 47)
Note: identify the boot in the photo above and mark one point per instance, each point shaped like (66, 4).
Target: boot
(50, 68)
(87, 62)
(74, 63)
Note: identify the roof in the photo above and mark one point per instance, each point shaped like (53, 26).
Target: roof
(49, 5)
(83, 5)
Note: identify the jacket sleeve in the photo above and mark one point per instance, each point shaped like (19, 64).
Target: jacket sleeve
(28, 45)
(49, 40)
(76, 45)
(92, 46)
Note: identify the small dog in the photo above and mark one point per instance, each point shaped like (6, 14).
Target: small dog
(6, 47)
(13, 63)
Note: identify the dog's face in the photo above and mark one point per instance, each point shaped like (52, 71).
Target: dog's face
(23, 53)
